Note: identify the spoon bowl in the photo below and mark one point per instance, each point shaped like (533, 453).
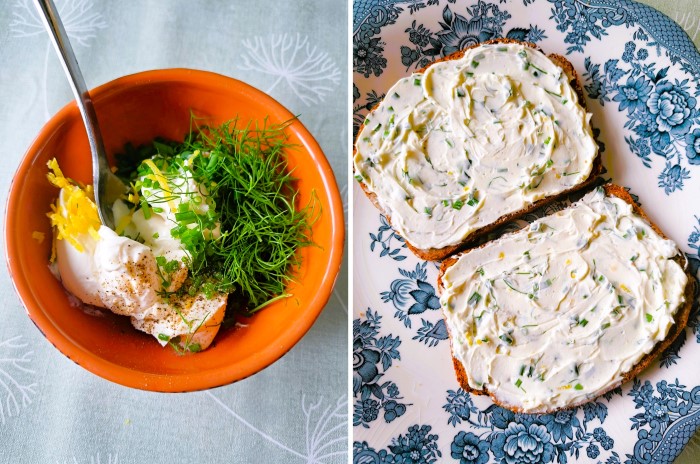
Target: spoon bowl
(107, 187)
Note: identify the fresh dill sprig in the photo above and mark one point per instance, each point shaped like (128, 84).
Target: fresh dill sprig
(243, 228)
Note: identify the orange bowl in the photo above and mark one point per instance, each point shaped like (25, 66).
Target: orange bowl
(137, 108)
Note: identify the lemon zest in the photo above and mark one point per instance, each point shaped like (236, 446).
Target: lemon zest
(161, 180)
(74, 213)
(123, 223)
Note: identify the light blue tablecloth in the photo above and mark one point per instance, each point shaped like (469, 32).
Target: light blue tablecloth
(53, 411)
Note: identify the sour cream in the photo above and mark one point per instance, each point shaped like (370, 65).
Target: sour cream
(121, 274)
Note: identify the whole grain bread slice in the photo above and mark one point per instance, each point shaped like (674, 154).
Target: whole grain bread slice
(437, 254)
(680, 318)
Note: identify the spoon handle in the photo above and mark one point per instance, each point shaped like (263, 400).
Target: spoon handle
(59, 38)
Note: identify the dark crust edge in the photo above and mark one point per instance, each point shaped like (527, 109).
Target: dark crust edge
(437, 254)
(680, 318)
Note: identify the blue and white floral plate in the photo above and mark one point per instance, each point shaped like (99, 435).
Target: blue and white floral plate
(641, 76)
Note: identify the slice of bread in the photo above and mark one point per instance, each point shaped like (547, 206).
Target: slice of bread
(501, 387)
(441, 252)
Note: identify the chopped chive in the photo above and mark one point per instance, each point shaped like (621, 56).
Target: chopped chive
(428, 211)
(634, 258)
(194, 347)
(519, 382)
(366, 121)
(547, 140)
(522, 369)
(146, 210)
(583, 322)
(474, 299)
(619, 299)
(470, 74)
(480, 271)
(605, 326)
(460, 93)
(391, 109)
(578, 386)
(376, 128)
(396, 95)
(457, 204)
(156, 235)
(539, 69)
(570, 173)
(649, 317)
(564, 101)
(416, 81)
(163, 337)
(475, 64)
(473, 198)
(445, 203)
(358, 178)
(506, 339)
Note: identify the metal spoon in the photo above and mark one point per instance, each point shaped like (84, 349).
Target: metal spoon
(107, 186)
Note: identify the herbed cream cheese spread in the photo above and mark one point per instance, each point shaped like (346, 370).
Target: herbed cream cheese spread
(452, 150)
(555, 314)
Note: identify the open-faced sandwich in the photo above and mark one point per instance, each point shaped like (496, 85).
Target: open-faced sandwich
(566, 309)
(473, 141)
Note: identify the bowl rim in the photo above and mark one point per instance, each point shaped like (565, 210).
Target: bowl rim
(178, 382)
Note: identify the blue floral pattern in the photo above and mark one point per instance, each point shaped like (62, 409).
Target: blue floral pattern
(418, 446)
(513, 438)
(661, 112)
(413, 295)
(670, 416)
(484, 21)
(372, 358)
(640, 75)
(391, 243)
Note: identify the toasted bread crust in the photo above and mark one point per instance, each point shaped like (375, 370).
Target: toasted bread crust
(680, 318)
(437, 254)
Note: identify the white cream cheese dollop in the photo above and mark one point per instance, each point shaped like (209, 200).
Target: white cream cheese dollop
(555, 314)
(122, 275)
(452, 150)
